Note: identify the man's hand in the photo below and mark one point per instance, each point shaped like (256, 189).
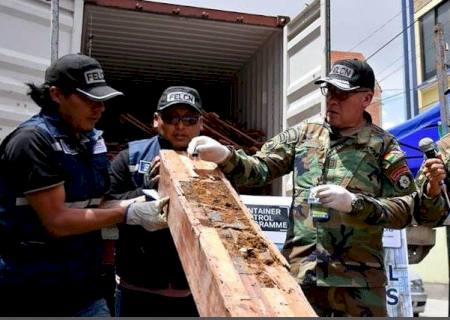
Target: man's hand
(434, 171)
(151, 177)
(208, 149)
(147, 214)
(334, 197)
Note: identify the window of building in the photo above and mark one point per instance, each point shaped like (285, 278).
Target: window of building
(439, 14)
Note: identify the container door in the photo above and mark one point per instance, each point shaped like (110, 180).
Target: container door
(305, 60)
(25, 52)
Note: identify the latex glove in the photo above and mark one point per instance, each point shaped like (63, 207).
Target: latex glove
(147, 214)
(208, 149)
(151, 176)
(334, 197)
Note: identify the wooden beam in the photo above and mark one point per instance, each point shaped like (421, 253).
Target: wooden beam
(232, 268)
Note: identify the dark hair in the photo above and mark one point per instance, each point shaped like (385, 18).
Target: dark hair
(41, 95)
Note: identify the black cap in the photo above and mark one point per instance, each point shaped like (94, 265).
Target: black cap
(448, 91)
(350, 74)
(82, 73)
(180, 95)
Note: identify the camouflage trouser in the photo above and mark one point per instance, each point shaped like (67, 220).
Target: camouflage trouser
(344, 302)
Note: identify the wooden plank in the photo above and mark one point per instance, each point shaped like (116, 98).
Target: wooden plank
(232, 268)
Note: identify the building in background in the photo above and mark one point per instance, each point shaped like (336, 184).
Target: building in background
(375, 107)
(427, 13)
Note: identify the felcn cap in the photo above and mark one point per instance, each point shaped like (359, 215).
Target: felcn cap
(350, 75)
(180, 95)
(82, 73)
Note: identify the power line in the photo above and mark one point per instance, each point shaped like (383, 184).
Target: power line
(395, 37)
(391, 73)
(389, 65)
(431, 46)
(399, 68)
(399, 89)
(393, 96)
(374, 32)
(387, 99)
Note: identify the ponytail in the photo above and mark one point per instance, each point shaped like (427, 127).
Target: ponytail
(41, 96)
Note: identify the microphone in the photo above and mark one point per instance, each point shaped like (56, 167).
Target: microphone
(428, 147)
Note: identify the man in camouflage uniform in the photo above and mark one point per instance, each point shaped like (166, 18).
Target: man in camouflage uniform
(354, 169)
(429, 178)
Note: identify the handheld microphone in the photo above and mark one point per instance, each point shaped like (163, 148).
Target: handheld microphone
(428, 147)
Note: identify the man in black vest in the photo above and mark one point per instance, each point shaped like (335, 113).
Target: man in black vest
(150, 278)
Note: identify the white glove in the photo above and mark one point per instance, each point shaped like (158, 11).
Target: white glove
(334, 197)
(208, 149)
(147, 214)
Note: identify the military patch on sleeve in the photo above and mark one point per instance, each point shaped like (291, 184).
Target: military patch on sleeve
(286, 137)
(404, 182)
(394, 156)
(400, 175)
(398, 172)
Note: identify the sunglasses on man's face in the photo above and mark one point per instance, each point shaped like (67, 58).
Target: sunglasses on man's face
(341, 95)
(189, 120)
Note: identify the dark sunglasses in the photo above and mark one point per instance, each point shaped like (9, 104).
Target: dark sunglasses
(185, 120)
(341, 95)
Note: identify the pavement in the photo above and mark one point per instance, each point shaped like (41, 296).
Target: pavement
(435, 308)
(437, 301)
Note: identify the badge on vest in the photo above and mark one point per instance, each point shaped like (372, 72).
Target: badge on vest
(100, 147)
(143, 166)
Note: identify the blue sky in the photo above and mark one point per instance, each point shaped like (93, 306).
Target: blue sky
(356, 25)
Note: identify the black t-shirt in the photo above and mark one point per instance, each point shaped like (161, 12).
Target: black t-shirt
(28, 161)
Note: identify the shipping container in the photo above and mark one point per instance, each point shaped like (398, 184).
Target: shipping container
(254, 70)
(257, 71)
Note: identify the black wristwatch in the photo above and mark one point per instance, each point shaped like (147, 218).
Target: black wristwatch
(357, 205)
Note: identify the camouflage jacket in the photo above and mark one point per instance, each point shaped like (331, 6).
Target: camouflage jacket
(346, 250)
(434, 215)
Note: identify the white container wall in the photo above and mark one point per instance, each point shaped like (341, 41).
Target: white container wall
(304, 62)
(260, 88)
(25, 52)
(248, 68)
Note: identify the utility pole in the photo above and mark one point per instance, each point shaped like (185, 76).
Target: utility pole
(441, 73)
(412, 50)
(54, 30)
(409, 59)
(406, 57)
(327, 36)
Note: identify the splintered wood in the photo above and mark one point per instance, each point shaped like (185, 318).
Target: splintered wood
(231, 267)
